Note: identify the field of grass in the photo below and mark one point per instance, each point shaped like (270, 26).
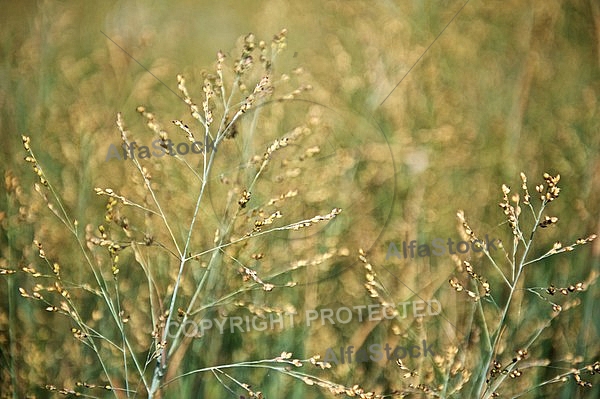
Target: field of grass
(330, 135)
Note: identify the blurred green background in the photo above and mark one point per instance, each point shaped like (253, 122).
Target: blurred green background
(509, 86)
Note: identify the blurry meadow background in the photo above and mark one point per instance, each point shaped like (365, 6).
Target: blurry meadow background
(508, 87)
